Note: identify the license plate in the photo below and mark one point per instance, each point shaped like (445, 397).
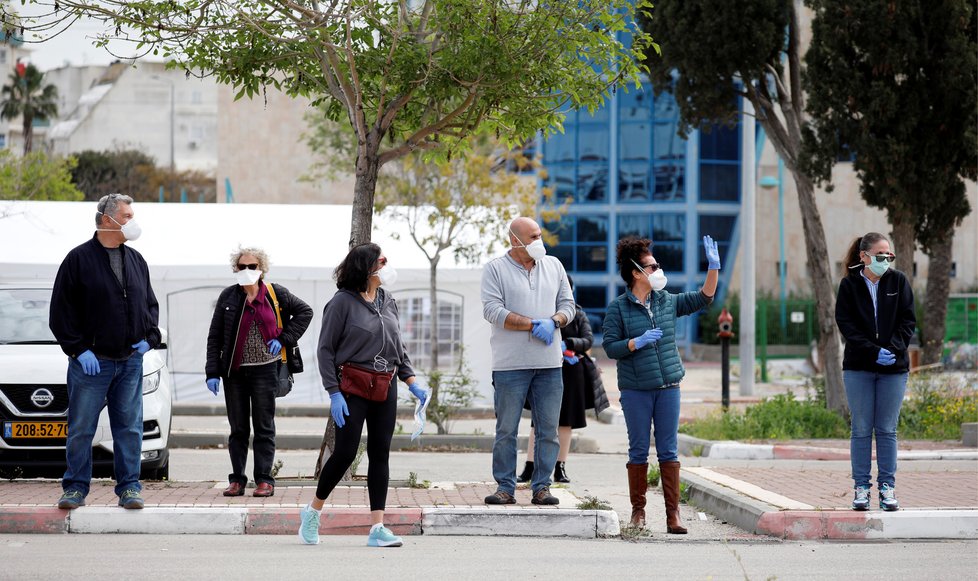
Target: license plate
(16, 430)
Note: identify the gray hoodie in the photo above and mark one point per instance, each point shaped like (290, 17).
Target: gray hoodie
(355, 332)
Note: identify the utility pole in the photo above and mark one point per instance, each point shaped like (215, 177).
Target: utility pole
(748, 243)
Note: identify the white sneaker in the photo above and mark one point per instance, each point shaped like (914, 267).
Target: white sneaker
(888, 499)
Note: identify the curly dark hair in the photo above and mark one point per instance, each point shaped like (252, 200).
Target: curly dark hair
(354, 272)
(631, 250)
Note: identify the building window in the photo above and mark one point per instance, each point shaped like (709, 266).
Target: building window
(415, 320)
(720, 164)
(721, 229)
(667, 232)
(650, 151)
(594, 301)
(583, 243)
(3, 141)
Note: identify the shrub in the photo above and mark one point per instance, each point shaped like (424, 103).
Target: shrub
(937, 405)
(781, 417)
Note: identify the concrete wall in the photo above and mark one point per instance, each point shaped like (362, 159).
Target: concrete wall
(263, 151)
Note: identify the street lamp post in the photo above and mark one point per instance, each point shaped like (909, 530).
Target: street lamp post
(748, 239)
(173, 101)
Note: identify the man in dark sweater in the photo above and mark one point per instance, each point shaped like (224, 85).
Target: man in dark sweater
(104, 315)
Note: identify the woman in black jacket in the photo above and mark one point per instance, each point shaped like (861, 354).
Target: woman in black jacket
(244, 348)
(875, 314)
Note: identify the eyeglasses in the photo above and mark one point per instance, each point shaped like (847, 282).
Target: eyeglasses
(248, 266)
(884, 257)
(654, 266)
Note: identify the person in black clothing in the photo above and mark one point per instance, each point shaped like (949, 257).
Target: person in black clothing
(361, 336)
(244, 348)
(580, 392)
(875, 314)
(105, 316)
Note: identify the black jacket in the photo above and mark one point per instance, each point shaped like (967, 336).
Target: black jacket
(577, 334)
(865, 334)
(90, 310)
(296, 315)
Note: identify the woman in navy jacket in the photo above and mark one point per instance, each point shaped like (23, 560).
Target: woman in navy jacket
(875, 314)
(640, 332)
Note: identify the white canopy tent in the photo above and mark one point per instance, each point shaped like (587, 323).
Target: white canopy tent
(188, 249)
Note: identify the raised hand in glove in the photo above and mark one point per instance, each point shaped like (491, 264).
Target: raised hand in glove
(712, 253)
(647, 338)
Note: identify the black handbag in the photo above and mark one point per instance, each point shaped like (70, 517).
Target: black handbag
(285, 380)
(291, 361)
(294, 360)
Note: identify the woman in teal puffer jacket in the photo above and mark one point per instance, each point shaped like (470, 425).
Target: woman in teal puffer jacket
(640, 333)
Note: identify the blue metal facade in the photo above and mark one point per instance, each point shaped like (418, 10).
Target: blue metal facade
(630, 174)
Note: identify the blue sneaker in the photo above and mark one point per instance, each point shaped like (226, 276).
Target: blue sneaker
(130, 499)
(309, 527)
(382, 537)
(888, 499)
(861, 501)
(71, 500)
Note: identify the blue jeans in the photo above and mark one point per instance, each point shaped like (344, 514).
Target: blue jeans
(119, 385)
(544, 389)
(874, 400)
(643, 410)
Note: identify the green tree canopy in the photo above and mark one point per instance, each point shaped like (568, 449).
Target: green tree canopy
(897, 84)
(406, 76)
(136, 174)
(716, 53)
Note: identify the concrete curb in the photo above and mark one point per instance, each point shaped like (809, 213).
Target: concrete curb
(759, 517)
(516, 521)
(732, 450)
(284, 441)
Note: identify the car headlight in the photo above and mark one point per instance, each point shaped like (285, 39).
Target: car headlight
(151, 382)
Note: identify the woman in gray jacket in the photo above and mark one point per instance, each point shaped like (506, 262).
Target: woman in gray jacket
(640, 332)
(361, 329)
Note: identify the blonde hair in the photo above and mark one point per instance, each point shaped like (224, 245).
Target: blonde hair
(263, 262)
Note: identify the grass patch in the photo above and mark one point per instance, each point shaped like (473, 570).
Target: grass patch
(781, 417)
(593, 503)
(633, 533)
(653, 475)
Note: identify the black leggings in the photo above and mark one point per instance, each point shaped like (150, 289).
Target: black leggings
(380, 417)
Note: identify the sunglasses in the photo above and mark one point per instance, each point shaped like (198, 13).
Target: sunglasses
(884, 257)
(654, 266)
(248, 266)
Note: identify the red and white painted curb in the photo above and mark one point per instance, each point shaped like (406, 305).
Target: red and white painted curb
(741, 451)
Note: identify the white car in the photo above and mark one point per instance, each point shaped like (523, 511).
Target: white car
(34, 396)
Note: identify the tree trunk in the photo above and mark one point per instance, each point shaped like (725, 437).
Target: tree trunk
(433, 345)
(819, 265)
(368, 164)
(935, 299)
(904, 245)
(28, 134)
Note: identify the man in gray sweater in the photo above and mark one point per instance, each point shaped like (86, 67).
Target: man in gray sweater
(527, 299)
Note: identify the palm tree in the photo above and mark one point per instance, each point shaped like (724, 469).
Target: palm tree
(27, 97)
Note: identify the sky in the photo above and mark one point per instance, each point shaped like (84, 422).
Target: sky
(73, 46)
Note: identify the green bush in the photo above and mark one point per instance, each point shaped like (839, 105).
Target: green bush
(781, 417)
(937, 405)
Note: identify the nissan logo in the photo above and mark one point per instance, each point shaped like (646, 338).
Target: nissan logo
(42, 397)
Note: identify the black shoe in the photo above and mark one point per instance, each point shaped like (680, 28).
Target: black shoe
(527, 474)
(543, 496)
(560, 473)
(500, 497)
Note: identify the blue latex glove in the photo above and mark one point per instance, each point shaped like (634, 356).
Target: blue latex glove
(89, 363)
(420, 391)
(338, 408)
(214, 384)
(885, 357)
(712, 253)
(142, 347)
(543, 329)
(647, 338)
(274, 347)
(571, 360)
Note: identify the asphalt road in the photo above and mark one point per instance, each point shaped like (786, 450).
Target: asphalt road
(120, 557)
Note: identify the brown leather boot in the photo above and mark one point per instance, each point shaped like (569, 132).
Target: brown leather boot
(670, 491)
(638, 485)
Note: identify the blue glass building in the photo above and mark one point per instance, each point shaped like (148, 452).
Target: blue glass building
(630, 174)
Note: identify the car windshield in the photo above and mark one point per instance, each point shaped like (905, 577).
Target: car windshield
(24, 316)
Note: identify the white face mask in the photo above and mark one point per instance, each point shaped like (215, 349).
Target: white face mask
(130, 230)
(657, 280)
(247, 277)
(535, 249)
(387, 275)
